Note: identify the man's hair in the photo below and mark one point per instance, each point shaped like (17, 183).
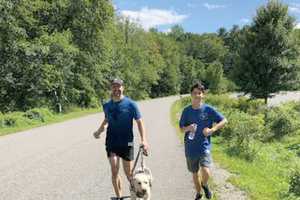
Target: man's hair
(199, 86)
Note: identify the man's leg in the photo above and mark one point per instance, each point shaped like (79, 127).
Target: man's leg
(127, 166)
(116, 179)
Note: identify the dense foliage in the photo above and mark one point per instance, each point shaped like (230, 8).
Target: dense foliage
(65, 53)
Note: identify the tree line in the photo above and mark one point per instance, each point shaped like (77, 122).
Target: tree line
(66, 52)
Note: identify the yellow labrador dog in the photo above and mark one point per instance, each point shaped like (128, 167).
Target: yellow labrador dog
(141, 185)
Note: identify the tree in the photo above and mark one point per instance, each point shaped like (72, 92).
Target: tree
(268, 55)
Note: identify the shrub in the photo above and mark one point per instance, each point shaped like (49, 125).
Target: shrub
(242, 132)
(1, 120)
(15, 119)
(295, 183)
(251, 106)
(221, 101)
(39, 114)
(282, 121)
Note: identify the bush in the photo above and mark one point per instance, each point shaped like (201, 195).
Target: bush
(39, 114)
(242, 132)
(222, 102)
(1, 120)
(295, 183)
(282, 121)
(251, 106)
(15, 119)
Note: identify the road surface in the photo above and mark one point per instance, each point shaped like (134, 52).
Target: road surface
(64, 162)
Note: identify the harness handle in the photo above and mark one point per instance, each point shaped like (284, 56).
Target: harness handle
(141, 148)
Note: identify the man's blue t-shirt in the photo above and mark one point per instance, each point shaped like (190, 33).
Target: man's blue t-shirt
(204, 117)
(120, 117)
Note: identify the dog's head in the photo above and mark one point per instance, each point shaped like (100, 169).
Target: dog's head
(142, 182)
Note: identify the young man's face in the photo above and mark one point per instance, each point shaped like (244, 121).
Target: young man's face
(197, 95)
(117, 90)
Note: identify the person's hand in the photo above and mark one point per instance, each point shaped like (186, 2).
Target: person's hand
(145, 146)
(192, 128)
(207, 131)
(98, 132)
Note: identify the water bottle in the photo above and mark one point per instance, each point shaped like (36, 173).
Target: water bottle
(191, 135)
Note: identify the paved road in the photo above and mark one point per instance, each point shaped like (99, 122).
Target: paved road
(278, 98)
(64, 162)
(283, 97)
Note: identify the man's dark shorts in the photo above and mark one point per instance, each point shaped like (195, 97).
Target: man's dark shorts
(126, 153)
(193, 164)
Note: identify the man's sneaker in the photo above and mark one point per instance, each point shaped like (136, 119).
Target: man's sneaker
(198, 196)
(207, 192)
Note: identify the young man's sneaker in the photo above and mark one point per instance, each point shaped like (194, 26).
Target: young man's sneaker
(207, 192)
(198, 196)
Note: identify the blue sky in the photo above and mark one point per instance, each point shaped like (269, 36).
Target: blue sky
(196, 16)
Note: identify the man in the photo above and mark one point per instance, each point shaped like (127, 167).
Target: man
(199, 121)
(119, 114)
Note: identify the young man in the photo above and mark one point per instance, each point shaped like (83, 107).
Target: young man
(199, 121)
(119, 114)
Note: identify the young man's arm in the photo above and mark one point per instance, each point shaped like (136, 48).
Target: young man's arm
(188, 128)
(100, 129)
(143, 136)
(209, 131)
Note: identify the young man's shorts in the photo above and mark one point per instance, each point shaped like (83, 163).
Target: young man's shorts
(193, 164)
(126, 153)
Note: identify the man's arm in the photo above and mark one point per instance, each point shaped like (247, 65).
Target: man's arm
(143, 136)
(100, 129)
(209, 131)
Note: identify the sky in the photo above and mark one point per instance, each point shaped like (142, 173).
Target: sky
(197, 16)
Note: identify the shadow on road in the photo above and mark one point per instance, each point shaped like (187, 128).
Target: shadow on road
(115, 198)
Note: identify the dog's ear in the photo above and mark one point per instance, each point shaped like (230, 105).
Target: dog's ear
(149, 174)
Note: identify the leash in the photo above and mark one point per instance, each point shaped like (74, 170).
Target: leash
(137, 158)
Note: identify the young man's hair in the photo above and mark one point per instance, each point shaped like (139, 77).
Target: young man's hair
(199, 86)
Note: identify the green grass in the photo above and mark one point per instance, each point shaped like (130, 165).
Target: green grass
(264, 178)
(175, 116)
(24, 123)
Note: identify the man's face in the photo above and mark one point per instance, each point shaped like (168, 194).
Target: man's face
(197, 95)
(117, 90)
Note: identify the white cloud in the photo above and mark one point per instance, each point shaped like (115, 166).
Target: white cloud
(245, 21)
(149, 18)
(295, 8)
(213, 6)
(297, 25)
(167, 30)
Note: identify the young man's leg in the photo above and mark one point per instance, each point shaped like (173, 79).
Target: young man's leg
(193, 167)
(114, 161)
(205, 174)
(197, 181)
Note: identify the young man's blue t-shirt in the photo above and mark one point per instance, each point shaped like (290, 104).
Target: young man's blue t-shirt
(120, 117)
(204, 117)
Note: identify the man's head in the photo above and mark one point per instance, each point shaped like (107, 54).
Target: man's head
(197, 92)
(117, 89)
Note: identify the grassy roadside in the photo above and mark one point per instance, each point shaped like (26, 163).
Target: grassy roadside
(25, 124)
(265, 177)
